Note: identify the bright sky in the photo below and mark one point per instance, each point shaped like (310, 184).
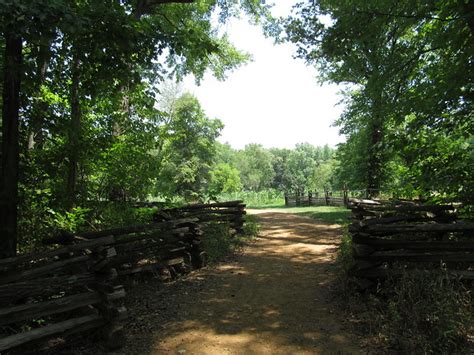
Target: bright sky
(274, 100)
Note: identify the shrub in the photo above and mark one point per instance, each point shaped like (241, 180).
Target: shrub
(344, 255)
(218, 242)
(251, 227)
(426, 310)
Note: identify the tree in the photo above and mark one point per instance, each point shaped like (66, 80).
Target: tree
(255, 166)
(223, 178)
(303, 162)
(396, 57)
(72, 59)
(188, 151)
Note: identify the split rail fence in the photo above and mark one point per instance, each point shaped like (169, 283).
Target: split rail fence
(403, 233)
(231, 212)
(59, 292)
(325, 198)
(73, 287)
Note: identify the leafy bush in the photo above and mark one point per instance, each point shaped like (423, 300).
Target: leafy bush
(218, 242)
(251, 227)
(344, 255)
(119, 214)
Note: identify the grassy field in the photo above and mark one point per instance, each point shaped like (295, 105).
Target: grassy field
(329, 214)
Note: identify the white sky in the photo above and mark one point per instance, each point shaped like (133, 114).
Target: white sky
(274, 100)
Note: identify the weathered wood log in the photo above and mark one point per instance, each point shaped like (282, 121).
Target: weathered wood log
(53, 306)
(407, 208)
(208, 205)
(47, 286)
(362, 264)
(392, 244)
(114, 336)
(419, 257)
(361, 250)
(124, 239)
(198, 213)
(118, 293)
(42, 270)
(168, 225)
(151, 267)
(150, 252)
(222, 218)
(382, 273)
(154, 248)
(133, 258)
(357, 201)
(404, 218)
(413, 228)
(71, 325)
(111, 312)
(89, 244)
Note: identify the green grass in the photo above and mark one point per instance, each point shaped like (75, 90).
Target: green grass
(329, 214)
(261, 199)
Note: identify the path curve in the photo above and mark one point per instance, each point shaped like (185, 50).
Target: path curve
(275, 298)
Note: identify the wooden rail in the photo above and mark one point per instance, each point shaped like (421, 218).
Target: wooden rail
(385, 233)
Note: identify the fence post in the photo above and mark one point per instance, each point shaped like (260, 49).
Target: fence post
(286, 199)
(326, 195)
(113, 333)
(345, 194)
(310, 197)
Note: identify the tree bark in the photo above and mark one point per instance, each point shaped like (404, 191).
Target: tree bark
(10, 145)
(74, 133)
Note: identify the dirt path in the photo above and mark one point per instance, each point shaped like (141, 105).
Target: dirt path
(273, 299)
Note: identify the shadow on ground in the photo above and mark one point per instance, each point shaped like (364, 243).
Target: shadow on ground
(275, 298)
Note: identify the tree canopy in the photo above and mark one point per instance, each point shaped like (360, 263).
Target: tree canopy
(409, 69)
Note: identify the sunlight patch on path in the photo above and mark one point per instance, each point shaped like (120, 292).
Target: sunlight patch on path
(275, 299)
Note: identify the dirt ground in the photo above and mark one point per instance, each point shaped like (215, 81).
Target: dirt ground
(274, 298)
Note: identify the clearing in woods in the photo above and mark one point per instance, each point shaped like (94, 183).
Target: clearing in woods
(275, 298)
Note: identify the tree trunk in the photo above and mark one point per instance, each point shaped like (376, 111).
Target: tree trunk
(10, 145)
(74, 134)
(374, 170)
(40, 107)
